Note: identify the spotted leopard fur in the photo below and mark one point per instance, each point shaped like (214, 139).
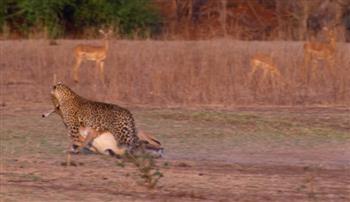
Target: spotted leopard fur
(77, 111)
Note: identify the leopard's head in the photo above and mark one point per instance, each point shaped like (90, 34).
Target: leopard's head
(61, 93)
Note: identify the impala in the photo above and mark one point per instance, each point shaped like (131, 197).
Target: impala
(265, 63)
(98, 54)
(321, 51)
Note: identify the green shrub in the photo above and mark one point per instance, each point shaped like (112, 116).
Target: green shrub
(71, 17)
(2, 15)
(44, 15)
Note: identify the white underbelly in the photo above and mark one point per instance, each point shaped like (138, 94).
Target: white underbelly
(105, 142)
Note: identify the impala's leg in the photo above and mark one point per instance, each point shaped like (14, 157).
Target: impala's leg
(265, 72)
(90, 135)
(313, 73)
(331, 63)
(277, 73)
(273, 79)
(69, 155)
(97, 64)
(304, 72)
(281, 78)
(251, 73)
(102, 78)
(78, 61)
(305, 61)
(278, 76)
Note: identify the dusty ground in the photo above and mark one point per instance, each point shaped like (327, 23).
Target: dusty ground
(241, 154)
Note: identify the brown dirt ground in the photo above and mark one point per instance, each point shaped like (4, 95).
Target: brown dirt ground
(240, 154)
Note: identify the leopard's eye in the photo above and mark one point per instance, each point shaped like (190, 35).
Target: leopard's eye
(54, 87)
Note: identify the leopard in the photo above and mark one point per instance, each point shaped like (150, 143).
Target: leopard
(77, 111)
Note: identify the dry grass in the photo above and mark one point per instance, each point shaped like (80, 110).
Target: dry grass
(168, 73)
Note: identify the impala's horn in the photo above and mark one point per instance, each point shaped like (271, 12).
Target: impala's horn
(54, 78)
(48, 113)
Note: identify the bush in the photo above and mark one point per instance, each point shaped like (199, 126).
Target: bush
(59, 18)
(2, 15)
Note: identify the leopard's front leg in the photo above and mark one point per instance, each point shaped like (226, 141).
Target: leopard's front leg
(73, 147)
(77, 139)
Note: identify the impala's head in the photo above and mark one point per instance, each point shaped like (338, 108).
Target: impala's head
(106, 34)
(61, 93)
(330, 33)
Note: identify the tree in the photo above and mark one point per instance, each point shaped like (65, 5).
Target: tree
(61, 17)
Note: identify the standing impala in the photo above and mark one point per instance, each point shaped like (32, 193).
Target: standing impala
(94, 53)
(320, 51)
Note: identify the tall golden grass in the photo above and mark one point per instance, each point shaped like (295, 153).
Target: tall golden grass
(173, 73)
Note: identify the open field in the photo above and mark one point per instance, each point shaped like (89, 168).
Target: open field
(242, 154)
(224, 139)
(175, 73)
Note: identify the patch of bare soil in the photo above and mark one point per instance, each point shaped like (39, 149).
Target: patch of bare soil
(99, 179)
(243, 154)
